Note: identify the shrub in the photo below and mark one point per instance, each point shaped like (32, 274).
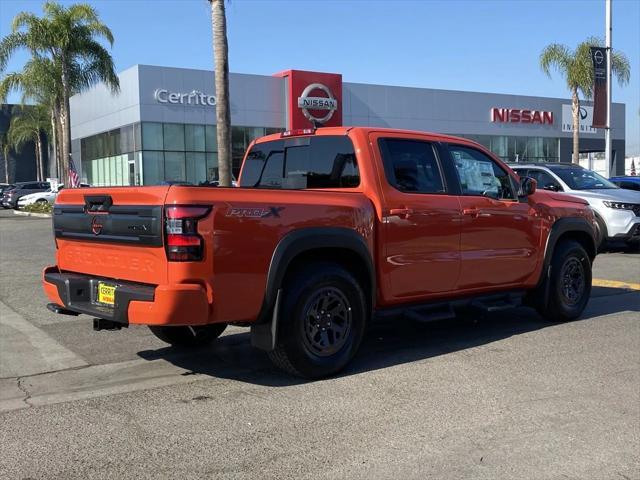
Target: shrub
(39, 208)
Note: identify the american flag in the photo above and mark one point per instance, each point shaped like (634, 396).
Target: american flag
(74, 178)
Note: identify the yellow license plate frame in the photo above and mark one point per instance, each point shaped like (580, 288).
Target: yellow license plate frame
(106, 294)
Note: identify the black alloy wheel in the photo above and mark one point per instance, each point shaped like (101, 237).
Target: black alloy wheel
(569, 285)
(322, 320)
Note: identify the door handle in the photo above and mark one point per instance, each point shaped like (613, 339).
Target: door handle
(401, 212)
(475, 212)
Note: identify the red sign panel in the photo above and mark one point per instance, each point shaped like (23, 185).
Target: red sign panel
(314, 99)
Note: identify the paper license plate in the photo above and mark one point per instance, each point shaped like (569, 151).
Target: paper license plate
(106, 294)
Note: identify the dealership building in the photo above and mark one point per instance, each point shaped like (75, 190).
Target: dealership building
(161, 125)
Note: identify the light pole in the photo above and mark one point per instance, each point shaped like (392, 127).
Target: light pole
(607, 132)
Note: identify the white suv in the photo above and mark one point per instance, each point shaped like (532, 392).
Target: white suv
(617, 210)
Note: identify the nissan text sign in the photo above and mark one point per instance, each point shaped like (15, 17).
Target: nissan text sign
(517, 115)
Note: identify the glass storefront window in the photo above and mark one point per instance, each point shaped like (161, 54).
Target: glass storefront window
(196, 167)
(212, 166)
(152, 136)
(520, 149)
(194, 138)
(153, 167)
(167, 151)
(174, 168)
(174, 137)
(211, 138)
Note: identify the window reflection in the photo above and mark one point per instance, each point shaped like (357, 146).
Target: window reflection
(519, 149)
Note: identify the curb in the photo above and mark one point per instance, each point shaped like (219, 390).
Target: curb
(32, 214)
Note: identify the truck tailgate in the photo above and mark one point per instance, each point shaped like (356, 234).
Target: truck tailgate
(112, 232)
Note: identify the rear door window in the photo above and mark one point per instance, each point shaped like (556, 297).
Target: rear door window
(302, 162)
(411, 166)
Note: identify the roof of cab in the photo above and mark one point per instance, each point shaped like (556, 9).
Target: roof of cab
(346, 129)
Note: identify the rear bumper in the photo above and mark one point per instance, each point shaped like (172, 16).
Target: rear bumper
(179, 304)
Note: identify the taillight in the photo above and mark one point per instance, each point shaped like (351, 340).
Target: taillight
(297, 132)
(183, 244)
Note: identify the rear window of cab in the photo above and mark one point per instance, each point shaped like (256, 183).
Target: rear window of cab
(302, 162)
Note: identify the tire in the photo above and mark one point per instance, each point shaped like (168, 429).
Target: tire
(316, 350)
(189, 336)
(41, 201)
(569, 283)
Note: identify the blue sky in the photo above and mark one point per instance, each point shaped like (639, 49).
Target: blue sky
(489, 46)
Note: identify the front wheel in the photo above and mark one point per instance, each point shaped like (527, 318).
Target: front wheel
(189, 336)
(569, 283)
(322, 321)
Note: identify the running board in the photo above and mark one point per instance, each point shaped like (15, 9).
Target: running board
(445, 310)
(430, 314)
(497, 303)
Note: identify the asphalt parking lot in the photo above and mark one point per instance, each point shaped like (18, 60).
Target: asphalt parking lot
(508, 396)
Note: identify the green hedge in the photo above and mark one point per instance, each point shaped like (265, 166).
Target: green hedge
(39, 208)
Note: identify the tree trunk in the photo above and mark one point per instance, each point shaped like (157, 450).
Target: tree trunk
(223, 110)
(575, 110)
(5, 152)
(58, 124)
(37, 150)
(65, 124)
(53, 144)
(43, 175)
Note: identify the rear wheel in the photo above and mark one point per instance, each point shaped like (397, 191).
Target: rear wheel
(322, 321)
(189, 336)
(569, 283)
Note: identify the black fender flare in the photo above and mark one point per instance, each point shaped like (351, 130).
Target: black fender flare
(264, 330)
(558, 229)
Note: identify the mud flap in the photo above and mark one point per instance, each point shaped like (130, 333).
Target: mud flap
(264, 335)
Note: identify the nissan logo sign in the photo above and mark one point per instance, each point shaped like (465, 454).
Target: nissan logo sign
(307, 103)
(195, 97)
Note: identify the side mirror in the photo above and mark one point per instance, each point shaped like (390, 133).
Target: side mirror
(527, 186)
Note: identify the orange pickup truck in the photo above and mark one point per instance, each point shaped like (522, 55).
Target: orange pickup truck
(328, 229)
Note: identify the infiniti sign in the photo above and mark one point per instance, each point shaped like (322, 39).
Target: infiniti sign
(163, 95)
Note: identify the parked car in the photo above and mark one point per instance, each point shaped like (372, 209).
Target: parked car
(629, 182)
(10, 197)
(327, 229)
(48, 196)
(215, 182)
(617, 210)
(4, 187)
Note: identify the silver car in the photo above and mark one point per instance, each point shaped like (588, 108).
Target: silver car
(617, 210)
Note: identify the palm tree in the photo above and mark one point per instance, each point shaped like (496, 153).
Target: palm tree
(5, 146)
(69, 38)
(575, 66)
(39, 83)
(28, 126)
(223, 110)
